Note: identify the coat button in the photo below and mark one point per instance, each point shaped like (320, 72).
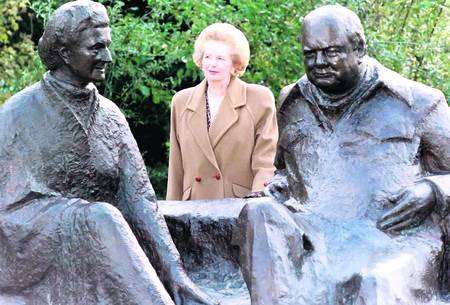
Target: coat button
(217, 176)
(198, 179)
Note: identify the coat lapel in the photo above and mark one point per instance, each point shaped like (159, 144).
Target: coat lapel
(197, 122)
(227, 115)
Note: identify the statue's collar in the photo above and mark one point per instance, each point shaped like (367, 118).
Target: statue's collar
(83, 103)
(395, 83)
(69, 91)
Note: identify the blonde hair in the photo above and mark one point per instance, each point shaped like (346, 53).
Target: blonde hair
(229, 34)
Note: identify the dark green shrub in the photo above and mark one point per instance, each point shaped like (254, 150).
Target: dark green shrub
(19, 63)
(153, 42)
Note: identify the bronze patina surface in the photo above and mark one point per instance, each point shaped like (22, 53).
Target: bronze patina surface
(77, 211)
(363, 187)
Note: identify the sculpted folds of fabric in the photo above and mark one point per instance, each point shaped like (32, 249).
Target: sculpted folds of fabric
(59, 144)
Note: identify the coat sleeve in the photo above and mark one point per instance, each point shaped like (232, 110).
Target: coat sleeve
(266, 137)
(175, 171)
(19, 183)
(435, 153)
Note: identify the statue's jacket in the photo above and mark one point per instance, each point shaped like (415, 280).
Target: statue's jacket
(355, 151)
(343, 159)
(62, 149)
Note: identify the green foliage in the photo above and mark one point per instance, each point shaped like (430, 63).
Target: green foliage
(153, 52)
(19, 63)
(44, 8)
(153, 44)
(410, 37)
(9, 20)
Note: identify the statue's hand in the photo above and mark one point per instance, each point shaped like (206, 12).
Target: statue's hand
(278, 189)
(185, 292)
(412, 205)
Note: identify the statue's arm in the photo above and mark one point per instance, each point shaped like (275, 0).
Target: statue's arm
(138, 204)
(435, 156)
(278, 187)
(18, 183)
(283, 120)
(414, 203)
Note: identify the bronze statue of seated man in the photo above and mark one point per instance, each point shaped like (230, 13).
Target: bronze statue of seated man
(363, 154)
(77, 211)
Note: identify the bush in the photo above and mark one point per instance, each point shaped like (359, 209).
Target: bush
(19, 63)
(153, 42)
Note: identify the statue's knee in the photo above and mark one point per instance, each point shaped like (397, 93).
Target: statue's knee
(104, 214)
(258, 209)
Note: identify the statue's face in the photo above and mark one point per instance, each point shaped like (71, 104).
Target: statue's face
(87, 59)
(331, 63)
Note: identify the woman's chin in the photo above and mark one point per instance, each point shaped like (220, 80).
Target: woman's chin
(216, 78)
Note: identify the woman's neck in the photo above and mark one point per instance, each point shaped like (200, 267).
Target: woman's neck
(218, 88)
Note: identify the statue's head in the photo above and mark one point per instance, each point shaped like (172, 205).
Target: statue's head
(334, 46)
(75, 41)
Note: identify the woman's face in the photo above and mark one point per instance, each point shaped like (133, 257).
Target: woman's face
(217, 64)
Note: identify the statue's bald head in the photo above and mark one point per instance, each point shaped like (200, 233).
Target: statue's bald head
(338, 21)
(334, 47)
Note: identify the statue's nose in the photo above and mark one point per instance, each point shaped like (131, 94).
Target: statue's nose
(105, 56)
(320, 59)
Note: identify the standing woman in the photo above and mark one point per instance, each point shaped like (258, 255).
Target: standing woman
(223, 131)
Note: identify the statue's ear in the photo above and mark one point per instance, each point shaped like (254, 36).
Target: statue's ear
(64, 53)
(360, 46)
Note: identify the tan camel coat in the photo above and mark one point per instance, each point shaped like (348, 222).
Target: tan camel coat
(235, 157)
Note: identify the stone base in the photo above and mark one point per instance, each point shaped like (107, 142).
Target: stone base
(203, 233)
(11, 300)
